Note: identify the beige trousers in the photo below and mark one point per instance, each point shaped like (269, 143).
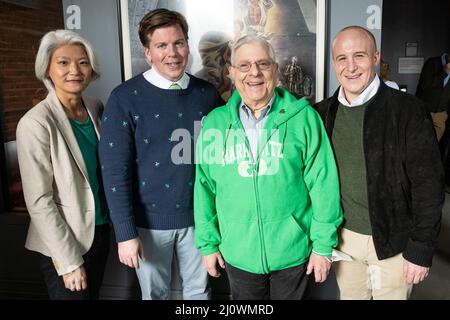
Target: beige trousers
(366, 277)
(439, 119)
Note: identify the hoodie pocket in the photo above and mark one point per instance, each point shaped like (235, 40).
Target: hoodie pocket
(286, 243)
(241, 245)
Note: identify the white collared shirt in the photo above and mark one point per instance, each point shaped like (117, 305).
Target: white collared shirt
(152, 75)
(365, 96)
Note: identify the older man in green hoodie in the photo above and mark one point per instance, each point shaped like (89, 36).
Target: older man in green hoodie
(266, 203)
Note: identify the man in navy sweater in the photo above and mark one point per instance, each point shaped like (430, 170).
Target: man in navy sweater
(148, 178)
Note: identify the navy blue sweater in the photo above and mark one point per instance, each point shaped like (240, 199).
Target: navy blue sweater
(143, 186)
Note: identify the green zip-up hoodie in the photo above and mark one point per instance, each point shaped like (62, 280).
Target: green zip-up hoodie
(266, 214)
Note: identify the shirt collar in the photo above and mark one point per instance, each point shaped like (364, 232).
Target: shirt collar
(444, 59)
(444, 62)
(152, 75)
(365, 96)
(264, 111)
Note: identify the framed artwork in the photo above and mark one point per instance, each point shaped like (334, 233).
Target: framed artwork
(295, 28)
(411, 49)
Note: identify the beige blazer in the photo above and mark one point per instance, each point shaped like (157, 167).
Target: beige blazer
(55, 183)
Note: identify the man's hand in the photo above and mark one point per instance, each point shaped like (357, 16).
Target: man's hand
(76, 280)
(320, 265)
(210, 263)
(414, 273)
(129, 251)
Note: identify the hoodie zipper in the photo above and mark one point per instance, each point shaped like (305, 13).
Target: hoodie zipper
(258, 204)
(255, 169)
(258, 211)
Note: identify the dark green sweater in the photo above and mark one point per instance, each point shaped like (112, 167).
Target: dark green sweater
(348, 147)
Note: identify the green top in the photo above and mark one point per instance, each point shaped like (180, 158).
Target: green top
(349, 151)
(269, 214)
(88, 143)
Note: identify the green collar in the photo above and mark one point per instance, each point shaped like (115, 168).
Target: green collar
(284, 107)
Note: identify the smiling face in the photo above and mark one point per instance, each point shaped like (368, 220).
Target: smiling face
(70, 70)
(255, 86)
(354, 59)
(168, 51)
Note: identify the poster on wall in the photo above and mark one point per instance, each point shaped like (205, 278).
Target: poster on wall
(295, 28)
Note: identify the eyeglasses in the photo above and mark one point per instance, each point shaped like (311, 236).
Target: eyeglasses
(246, 66)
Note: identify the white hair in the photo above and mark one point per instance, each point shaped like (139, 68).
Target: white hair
(53, 40)
(252, 38)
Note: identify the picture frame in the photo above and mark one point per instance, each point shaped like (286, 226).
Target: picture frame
(410, 65)
(299, 40)
(411, 49)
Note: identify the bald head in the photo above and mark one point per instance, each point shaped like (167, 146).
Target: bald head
(355, 58)
(356, 31)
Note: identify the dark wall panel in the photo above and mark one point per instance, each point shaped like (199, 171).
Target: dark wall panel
(422, 21)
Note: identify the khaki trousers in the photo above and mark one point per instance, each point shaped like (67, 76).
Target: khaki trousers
(366, 277)
(439, 119)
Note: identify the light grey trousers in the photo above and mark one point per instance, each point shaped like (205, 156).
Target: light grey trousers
(154, 274)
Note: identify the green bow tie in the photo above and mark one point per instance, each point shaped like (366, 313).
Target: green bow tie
(175, 86)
